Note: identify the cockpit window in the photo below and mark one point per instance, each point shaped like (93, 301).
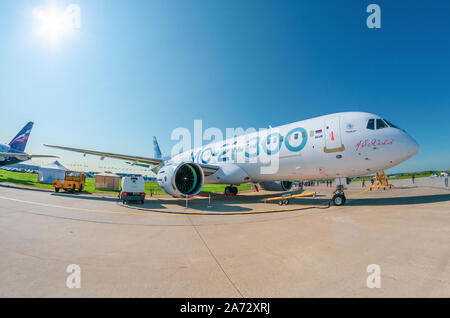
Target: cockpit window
(381, 124)
(391, 124)
(371, 124)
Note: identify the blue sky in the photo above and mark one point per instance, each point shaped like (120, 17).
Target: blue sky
(141, 68)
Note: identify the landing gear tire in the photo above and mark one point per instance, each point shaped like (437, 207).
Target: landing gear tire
(283, 202)
(230, 190)
(339, 199)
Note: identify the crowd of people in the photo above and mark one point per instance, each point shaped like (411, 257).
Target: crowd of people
(329, 183)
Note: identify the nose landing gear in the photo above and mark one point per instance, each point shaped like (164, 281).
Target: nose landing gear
(339, 198)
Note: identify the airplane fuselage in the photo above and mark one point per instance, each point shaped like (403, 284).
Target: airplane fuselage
(326, 147)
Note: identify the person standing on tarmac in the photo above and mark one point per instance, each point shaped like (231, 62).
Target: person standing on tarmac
(446, 179)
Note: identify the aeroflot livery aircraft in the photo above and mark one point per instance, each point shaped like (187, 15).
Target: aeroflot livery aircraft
(337, 146)
(14, 152)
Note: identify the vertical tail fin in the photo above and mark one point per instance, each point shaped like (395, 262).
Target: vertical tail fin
(19, 142)
(156, 149)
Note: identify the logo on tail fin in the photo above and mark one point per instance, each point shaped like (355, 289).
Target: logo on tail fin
(20, 141)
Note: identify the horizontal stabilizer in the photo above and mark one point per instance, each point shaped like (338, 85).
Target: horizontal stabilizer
(23, 155)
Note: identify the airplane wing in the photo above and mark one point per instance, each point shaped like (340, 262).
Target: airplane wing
(103, 155)
(23, 155)
(139, 161)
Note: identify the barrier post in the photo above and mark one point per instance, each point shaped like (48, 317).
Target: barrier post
(209, 201)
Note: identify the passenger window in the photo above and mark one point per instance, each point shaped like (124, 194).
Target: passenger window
(296, 136)
(371, 124)
(381, 124)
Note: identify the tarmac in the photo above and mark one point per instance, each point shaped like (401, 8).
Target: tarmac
(226, 246)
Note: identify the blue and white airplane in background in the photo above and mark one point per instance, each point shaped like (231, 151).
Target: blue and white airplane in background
(335, 146)
(14, 152)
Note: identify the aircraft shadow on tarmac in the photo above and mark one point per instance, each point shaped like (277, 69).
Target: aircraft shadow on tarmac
(221, 203)
(225, 204)
(161, 204)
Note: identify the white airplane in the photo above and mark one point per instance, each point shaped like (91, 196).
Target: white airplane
(335, 146)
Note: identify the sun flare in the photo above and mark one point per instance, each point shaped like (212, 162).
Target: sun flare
(52, 24)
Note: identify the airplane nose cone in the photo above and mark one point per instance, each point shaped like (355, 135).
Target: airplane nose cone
(413, 147)
(406, 148)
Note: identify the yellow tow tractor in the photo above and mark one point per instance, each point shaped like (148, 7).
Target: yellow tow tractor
(73, 181)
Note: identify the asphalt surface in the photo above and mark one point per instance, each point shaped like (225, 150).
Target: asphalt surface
(226, 247)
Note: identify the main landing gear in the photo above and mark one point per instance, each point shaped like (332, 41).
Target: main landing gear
(339, 198)
(231, 190)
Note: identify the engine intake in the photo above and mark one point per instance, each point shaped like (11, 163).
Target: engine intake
(181, 180)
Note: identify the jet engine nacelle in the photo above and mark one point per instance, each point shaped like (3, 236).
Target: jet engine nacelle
(181, 180)
(276, 185)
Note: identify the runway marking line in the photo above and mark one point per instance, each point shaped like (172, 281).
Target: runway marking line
(355, 195)
(71, 208)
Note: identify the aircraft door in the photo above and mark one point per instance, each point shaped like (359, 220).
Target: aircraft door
(333, 141)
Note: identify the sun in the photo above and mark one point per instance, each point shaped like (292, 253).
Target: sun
(52, 24)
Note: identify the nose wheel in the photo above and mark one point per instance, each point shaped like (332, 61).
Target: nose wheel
(339, 198)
